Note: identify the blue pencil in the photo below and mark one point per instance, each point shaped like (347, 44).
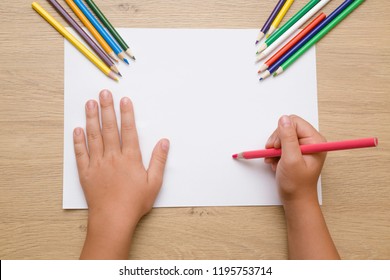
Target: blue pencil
(115, 47)
(304, 40)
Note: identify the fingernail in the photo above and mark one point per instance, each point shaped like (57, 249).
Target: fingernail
(91, 104)
(77, 131)
(105, 94)
(285, 121)
(125, 100)
(165, 145)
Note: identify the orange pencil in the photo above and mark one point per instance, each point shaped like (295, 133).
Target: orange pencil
(92, 29)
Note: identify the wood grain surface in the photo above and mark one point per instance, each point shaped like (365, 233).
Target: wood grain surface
(354, 101)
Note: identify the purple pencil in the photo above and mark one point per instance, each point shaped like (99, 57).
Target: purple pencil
(268, 23)
(103, 56)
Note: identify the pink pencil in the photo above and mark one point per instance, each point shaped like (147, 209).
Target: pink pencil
(313, 148)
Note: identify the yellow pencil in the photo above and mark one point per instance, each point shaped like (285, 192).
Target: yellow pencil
(279, 17)
(93, 58)
(92, 29)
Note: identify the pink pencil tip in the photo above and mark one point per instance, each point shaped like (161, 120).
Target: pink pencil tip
(235, 156)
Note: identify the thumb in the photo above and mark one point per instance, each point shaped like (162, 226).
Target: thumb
(157, 163)
(289, 140)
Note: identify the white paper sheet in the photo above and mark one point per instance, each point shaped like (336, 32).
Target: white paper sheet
(200, 89)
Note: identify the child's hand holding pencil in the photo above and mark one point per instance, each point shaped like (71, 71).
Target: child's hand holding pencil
(297, 175)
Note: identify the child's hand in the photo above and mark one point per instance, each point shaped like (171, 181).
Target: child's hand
(296, 174)
(118, 188)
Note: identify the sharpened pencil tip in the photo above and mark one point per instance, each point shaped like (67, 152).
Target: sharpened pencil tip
(235, 156)
(261, 79)
(120, 74)
(125, 60)
(112, 76)
(256, 42)
(133, 57)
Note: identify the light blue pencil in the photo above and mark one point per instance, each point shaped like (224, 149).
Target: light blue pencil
(115, 47)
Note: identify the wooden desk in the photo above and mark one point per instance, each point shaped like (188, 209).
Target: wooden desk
(354, 101)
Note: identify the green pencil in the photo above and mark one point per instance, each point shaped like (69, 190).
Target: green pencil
(318, 36)
(287, 25)
(109, 27)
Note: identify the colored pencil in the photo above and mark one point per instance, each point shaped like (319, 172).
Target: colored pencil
(117, 49)
(109, 27)
(61, 29)
(91, 29)
(268, 22)
(103, 56)
(312, 148)
(288, 24)
(279, 17)
(306, 39)
(292, 29)
(292, 42)
(287, 63)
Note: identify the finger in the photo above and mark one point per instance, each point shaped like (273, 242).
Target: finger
(157, 163)
(291, 151)
(306, 133)
(94, 136)
(80, 150)
(130, 144)
(110, 131)
(277, 143)
(274, 166)
(271, 140)
(272, 160)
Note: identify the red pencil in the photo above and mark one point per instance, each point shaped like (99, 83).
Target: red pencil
(292, 42)
(313, 148)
